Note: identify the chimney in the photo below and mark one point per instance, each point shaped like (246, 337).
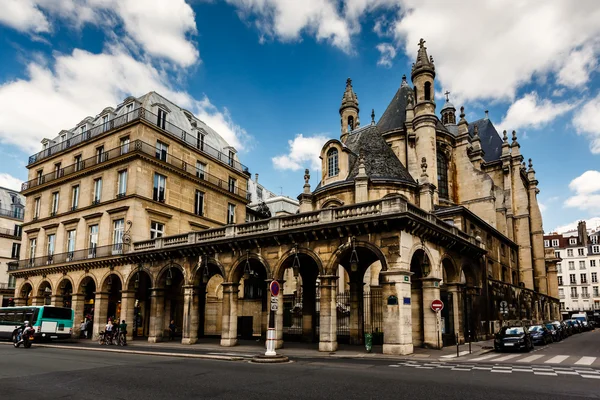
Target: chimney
(487, 115)
(256, 178)
(582, 233)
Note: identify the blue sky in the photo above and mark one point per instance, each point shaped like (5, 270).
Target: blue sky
(269, 75)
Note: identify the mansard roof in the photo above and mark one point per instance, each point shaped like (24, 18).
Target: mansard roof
(394, 115)
(491, 142)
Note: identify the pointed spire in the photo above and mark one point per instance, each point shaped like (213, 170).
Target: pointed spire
(373, 116)
(487, 115)
(531, 174)
(349, 99)
(423, 63)
(404, 83)
(362, 172)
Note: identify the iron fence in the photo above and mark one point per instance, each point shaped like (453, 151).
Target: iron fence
(16, 213)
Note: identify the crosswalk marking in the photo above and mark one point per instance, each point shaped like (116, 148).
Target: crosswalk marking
(484, 357)
(556, 360)
(585, 361)
(505, 358)
(530, 358)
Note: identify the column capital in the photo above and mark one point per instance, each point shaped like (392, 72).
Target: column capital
(156, 292)
(395, 276)
(127, 292)
(101, 293)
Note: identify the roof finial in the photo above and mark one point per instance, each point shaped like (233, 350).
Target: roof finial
(348, 82)
(487, 115)
(404, 83)
(373, 116)
(514, 137)
(504, 136)
(530, 164)
(476, 132)
(462, 112)
(306, 179)
(447, 94)
(422, 43)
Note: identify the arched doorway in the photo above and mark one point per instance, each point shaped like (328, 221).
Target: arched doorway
(170, 307)
(420, 266)
(113, 286)
(208, 281)
(88, 289)
(26, 294)
(448, 292)
(66, 290)
(252, 309)
(44, 293)
(471, 297)
(139, 323)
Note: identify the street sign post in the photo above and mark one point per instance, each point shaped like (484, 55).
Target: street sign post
(274, 288)
(503, 307)
(437, 305)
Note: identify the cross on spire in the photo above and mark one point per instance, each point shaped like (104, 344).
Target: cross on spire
(447, 96)
(421, 43)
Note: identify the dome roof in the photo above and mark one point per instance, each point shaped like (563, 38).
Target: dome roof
(448, 105)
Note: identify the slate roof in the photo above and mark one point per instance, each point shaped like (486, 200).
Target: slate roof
(491, 142)
(394, 115)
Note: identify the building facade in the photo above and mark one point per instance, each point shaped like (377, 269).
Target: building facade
(578, 285)
(265, 203)
(407, 210)
(11, 217)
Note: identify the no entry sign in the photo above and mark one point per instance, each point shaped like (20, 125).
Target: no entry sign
(437, 305)
(274, 288)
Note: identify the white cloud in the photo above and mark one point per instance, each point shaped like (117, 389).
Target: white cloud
(304, 151)
(532, 112)
(578, 66)
(388, 53)
(587, 122)
(160, 27)
(542, 207)
(587, 191)
(10, 182)
(591, 223)
(49, 100)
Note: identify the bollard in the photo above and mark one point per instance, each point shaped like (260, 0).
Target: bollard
(469, 342)
(457, 346)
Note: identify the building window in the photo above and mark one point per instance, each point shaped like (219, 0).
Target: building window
(75, 198)
(100, 155)
(78, 163)
(574, 292)
(51, 241)
(596, 293)
(82, 129)
(18, 230)
(105, 125)
(55, 198)
(581, 264)
(572, 241)
(580, 252)
(570, 253)
(259, 193)
(571, 265)
(118, 229)
(40, 177)
(200, 170)
(71, 243)
(557, 254)
(554, 242)
(595, 249)
(546, 243)
(592, 263)
(560, 280)
(161, 119)
(200, 141)
(350, 124)
(231, 186)
(122, 183)
(36, 208)
(160, 188)
(442, 172)
(572, 279)
(156, 230)
(161, 150)
(16, 250)
(97, 191)
(57, 171)
(427, 90)
(332, 163)
(124, 145)
(92, 240)
(128, 110)
(594, 239)
(32, 247)
(583, 278)
(230, 213)
(594, 277)
(559, 267)
(231, 158)
(584, 292)
(199, 203)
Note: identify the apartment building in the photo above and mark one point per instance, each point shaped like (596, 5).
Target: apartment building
(11, 217)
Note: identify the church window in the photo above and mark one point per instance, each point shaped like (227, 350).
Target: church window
(442, 172)
(427, 90)
(350, 123)
(332, 162)
(416, 98)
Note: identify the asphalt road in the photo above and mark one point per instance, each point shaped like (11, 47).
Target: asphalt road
(47, 373)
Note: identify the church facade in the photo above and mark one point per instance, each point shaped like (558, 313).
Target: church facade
(409, 209)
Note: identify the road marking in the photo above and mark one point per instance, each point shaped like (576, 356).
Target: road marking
(590, 376)
(503, 371)
(484, 357)
(522, 370)
(461, 369)
(530, 358)
(556, 360)
(567, 372)
(545, 373)
(504, 358)
(462, 353)
(586, 361)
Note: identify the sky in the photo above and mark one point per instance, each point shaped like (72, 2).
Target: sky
(269, 75)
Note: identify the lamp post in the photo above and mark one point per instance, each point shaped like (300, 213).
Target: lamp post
(296, 263)
(353, 257)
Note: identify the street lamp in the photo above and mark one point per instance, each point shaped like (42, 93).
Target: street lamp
(247, 268)
(296, 263)
(353, 257)
(109, 283)
(169, 280)
(205, 273)
(426, 266)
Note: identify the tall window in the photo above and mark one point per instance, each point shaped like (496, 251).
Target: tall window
(97, 191)
(231, 186)
(572, 279)
(92, 240)
(124, 145)
(592, 263)
(332, 162)
(78, 163)
(55, 197)
(557, 254)
(161, 119)
(71, 242)
(581, 252)
(40, 177)
(82, 129)
(571, 265)
(200, 141)
(128, 110)
(231, 158)
(570, 253)
(595, 249)
(105, 125)
(200, 169)
(36, 208)
(156, 230)
(118, 229)
(63, 137)
(100, 154)
(161, 150)
(574, 292)
(442, 173)
(583, 278)
(259, 193)
(51, 241)
(554, 242)
(75, 197)
(350, 123)
(546, 243)
(16, 250)
(230, 213)
(199, 203)
(160, 185)
(581, 264)
(427, 90)
(122, 183)
(32, 247)
(560, 280)
(573, 241)
(57, 171)
(594, 277)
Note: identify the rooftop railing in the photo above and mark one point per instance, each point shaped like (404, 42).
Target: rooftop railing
(140, 113)
(16, 213)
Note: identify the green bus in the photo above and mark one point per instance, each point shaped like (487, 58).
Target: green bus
(49, 322)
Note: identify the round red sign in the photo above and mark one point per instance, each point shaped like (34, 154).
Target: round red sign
(437, 305)
(274, 288)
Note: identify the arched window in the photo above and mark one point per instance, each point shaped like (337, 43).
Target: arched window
(416, 98)
(332, 162)
(427, 90)
(442, 172)
(350, 123)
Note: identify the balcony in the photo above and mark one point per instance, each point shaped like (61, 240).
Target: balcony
(10, 232)
(561, 296)
(135, 147)
(138, 115)
(6, 286)
(585, 295)
(16, 213)
(574, 295)
(78, 255)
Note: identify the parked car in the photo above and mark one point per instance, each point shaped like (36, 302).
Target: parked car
(555, 330)
(561, 327)
(574, 325)
(513, 338)
(540, 334)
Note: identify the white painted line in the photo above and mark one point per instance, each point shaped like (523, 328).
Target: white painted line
(590, 376)
(505, 358)
(231, 354)
(424, 367)
(522, 370)
(395, 366)
(483, 368)
(585, 361)
(556, 360)
(530, 358)
(503, 371)
(497, 367)
(462, 353)
(545, 373)
(484, 357)
(461, 369)
(567, 372)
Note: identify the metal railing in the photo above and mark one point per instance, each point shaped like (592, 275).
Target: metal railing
(17, 213)
(77, 255)
(136, 146)
(10, 232)
(141, 113)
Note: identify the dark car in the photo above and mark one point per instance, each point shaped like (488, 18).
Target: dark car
(562, 328)
(555, 330)
(574, 325)
(513, 338)
(540, 334)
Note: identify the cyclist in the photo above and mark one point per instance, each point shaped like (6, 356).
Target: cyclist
(123, 331)
(109, 331)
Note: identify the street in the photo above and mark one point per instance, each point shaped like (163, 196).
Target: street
(48, 373)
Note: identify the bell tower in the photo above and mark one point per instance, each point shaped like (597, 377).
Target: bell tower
(349, 111)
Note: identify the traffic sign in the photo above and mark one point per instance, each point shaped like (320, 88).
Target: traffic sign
(437, 305)
(274, 303)
(274, 287)
(504, 307)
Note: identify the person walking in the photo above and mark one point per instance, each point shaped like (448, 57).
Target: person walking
(88, 328)
(82, 328)
(172, 330)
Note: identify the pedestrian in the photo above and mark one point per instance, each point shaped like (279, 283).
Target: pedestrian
(82, 327)
(88, 328)
(172, 330)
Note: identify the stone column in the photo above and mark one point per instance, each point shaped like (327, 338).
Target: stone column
(397, 316)
(38, 300)
(56, 300)
(356, 312)
(128, 310)
(157, 310)
(229, 314)
(100, 313)
(328, 313)
(190, 315)
(432, 332)
(20, 301)
(77, 304)
(457, 308)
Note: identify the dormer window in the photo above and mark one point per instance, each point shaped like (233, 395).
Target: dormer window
(161, 119)
(128, 111)
(105, 123)
(82, 129)
(332, 162)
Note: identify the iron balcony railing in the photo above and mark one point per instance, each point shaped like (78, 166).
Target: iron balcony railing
(141, 114)
(10, 232)
(136, 146)
(70, 256)
(16, 213)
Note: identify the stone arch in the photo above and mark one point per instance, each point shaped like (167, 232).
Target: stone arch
(214, 268)
(66, 278)
(43, 284)
(236, 272)
(164, 269)
(471, 276)
(132, 275)
(450, 273)
(109, 273)
(343, 249)
(24, 286)
(84, 278)
(280, 267)
(332, 203)
(421, 247)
